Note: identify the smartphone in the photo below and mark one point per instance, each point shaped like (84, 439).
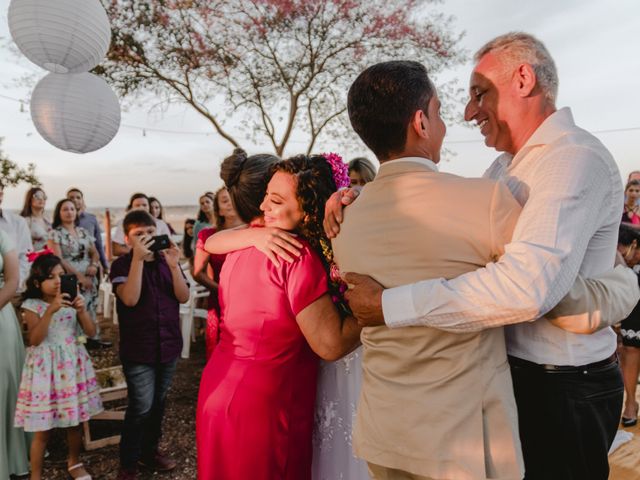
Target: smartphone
(162, 242)
(69, 285)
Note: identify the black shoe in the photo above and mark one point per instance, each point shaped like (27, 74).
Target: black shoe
(629, 422)
(93, 344)
(160, 462)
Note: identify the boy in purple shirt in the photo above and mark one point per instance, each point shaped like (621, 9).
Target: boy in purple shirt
(149, 288)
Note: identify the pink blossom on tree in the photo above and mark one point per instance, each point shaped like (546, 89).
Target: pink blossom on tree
(280, 65)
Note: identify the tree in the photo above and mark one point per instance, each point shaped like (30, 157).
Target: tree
(280, 64)
(11, 174)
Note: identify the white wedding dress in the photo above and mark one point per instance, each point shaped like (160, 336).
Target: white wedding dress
(339, 385)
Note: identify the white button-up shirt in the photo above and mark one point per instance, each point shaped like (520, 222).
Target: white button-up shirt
(16, 227)
(571, 192)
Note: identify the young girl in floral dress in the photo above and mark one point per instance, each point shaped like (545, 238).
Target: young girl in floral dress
(58, 387)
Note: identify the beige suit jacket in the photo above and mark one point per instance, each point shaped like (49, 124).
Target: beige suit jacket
(433, 403)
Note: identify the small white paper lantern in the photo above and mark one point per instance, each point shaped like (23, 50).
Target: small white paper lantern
(62, 36)
(76, 112)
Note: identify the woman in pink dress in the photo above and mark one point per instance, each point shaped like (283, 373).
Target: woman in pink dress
(257, 394)
(207, 267)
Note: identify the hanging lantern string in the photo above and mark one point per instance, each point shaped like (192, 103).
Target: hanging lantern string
(146, 130)
(12, 99)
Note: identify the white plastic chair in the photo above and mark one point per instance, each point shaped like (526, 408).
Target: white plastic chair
(188, 311)
(114, 310)
(105, 299)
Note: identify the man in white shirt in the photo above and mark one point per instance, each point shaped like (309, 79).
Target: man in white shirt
(17, 228)
(568, 386)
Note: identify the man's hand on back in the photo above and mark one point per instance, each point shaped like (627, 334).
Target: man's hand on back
(365, 299)
(333, 209)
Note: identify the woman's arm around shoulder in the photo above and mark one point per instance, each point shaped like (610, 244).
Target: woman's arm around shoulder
(273, 242)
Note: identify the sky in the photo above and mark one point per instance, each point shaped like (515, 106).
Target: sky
(595, 45)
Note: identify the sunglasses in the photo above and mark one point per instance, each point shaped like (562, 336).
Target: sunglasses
(39, 196)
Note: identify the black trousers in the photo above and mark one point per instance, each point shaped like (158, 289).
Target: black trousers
(567, 420)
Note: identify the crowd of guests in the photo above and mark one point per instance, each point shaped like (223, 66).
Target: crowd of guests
(278, 303)
(52, 383)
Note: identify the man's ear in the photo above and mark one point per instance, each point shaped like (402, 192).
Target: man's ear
(525, 78)
(419, 124)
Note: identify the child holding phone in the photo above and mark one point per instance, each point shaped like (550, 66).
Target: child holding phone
(149, 287)
(58, 387)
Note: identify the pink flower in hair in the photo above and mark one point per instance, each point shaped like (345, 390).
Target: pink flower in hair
(339, 168)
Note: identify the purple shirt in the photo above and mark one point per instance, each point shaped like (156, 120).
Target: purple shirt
(150, 330)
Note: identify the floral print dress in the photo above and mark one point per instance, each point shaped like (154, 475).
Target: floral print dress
(58, 387)
(75, 250)
(39, 232)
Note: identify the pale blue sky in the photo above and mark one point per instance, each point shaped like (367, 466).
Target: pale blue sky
(595, 45)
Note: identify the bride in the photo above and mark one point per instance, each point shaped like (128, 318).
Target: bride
(339, 385)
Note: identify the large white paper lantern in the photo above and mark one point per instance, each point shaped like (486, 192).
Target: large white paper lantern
(75, 112)
(62, 36)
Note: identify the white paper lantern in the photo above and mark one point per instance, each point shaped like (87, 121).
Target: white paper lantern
(75, 112)
(62, 36)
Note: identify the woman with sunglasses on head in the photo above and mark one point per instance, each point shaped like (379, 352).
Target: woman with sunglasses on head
(33, 212)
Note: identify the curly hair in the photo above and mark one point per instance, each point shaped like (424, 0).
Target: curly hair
(315, 184)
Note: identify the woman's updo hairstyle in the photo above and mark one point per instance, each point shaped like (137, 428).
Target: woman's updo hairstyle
(246, 179)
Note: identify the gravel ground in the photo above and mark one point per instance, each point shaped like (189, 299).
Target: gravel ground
(179, 422)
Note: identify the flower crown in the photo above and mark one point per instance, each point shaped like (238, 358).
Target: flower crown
(339, 168)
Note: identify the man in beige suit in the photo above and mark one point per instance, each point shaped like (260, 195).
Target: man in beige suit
(433, 404)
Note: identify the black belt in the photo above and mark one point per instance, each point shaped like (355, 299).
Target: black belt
(519, 362)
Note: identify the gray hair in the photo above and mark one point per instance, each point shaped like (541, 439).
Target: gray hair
(522, 47)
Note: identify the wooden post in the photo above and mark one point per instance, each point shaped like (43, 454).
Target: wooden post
(107, 231)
